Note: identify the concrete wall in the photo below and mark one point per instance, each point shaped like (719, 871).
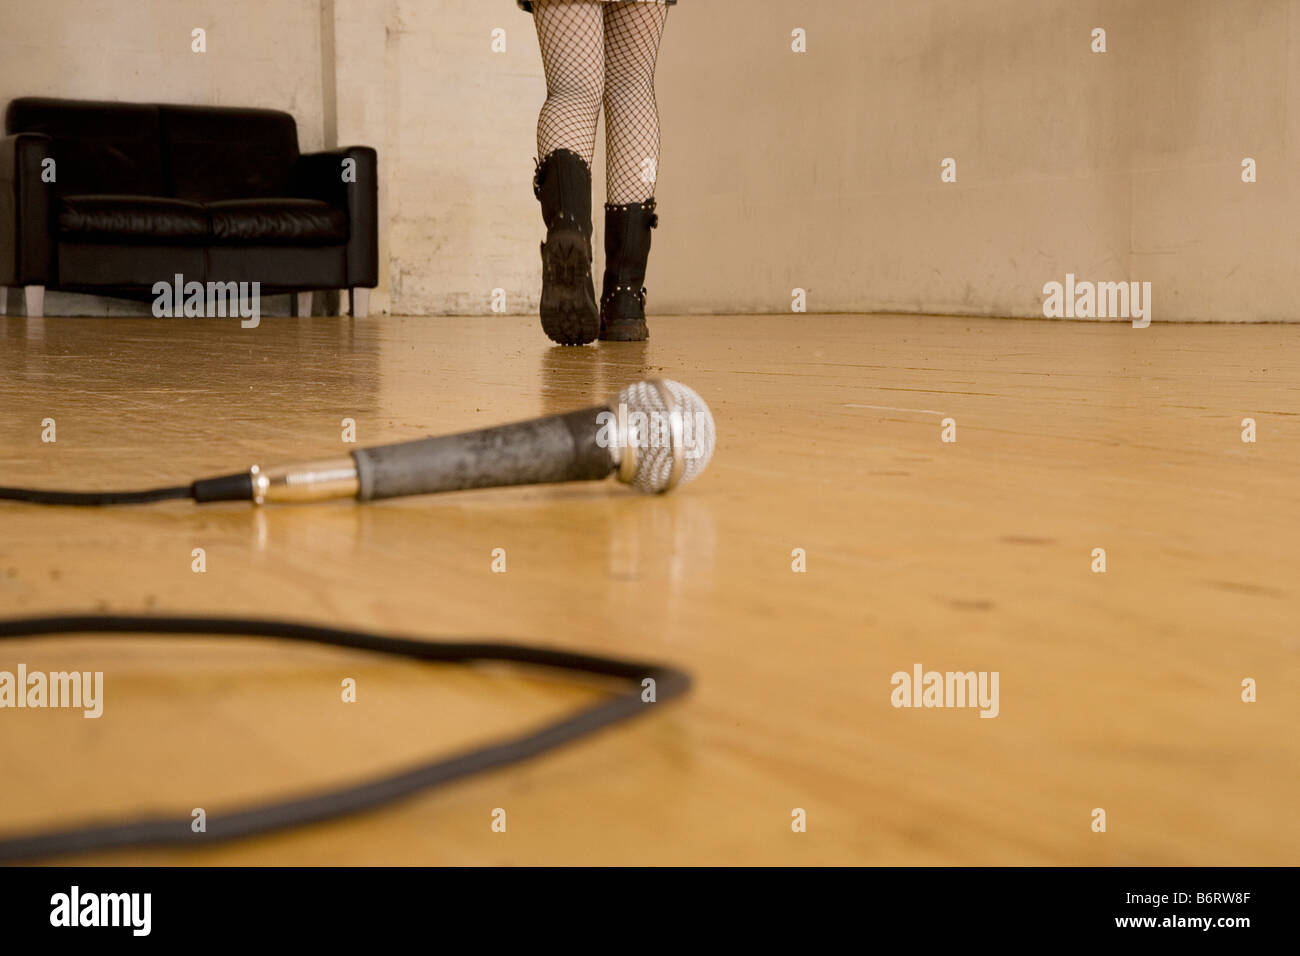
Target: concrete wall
(821, 170)
(816, 170)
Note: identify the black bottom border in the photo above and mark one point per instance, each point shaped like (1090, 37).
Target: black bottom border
(971, 905)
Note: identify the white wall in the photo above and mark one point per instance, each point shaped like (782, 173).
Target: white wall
(780, 170)
(821, 170)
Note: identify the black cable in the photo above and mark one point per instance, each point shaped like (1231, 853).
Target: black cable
(39, 497)
(236, 487)
(327, 804)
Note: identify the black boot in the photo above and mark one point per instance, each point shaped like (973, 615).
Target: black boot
(627, 247)
(563, 185)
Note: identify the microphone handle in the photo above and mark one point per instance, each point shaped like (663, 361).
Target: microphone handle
(540, 451)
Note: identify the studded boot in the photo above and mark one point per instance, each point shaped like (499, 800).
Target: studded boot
(627, 247)
(562, 184)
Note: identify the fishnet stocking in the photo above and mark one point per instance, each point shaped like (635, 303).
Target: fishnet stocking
(602, 53)
(632, 34)
(571, 34)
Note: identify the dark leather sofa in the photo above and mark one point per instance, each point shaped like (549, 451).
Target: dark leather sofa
(141, 192)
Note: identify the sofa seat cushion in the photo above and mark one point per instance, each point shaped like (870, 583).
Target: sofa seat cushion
(298, 222)
(103, 218)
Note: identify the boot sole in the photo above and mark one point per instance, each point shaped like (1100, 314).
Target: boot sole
(625, 331)
(568, 308)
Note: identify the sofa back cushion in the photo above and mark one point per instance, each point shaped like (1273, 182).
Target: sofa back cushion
(98, 147)
(212, 153)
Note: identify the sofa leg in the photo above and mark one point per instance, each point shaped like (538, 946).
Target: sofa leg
(300, 303)
(5, 292)
(360, 301)
(35, 296)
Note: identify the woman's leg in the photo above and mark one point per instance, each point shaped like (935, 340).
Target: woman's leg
(571, 35)
(632, 35)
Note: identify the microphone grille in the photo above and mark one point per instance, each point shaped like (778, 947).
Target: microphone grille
(654, 447)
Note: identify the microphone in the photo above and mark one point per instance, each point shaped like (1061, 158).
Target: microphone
(656, 435)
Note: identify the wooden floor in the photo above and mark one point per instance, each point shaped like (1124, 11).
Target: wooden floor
(1119, 691)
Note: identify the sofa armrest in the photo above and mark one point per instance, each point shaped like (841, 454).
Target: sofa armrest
(26, 250)
(321, 176)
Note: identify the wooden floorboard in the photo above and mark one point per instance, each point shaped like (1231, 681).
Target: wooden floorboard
(1118, 690)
